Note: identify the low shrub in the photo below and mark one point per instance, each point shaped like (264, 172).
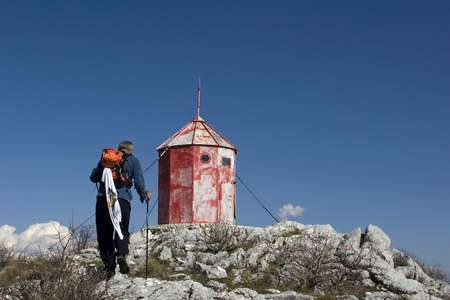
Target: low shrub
(224, 237)
(49, 276)
(5, 256)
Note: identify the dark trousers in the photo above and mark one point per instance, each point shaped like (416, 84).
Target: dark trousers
(109, 243)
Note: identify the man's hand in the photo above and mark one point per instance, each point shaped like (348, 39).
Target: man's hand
(147, 197)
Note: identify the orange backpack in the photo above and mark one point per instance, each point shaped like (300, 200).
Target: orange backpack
(115, 160)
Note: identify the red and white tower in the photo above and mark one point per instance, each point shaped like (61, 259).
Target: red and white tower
(196, 182)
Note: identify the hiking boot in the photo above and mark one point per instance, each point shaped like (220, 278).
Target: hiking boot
(123, 266)
(109, 275)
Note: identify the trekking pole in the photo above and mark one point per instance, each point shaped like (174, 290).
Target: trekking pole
(146, 246)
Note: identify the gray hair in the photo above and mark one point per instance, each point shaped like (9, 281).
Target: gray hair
(126, 145)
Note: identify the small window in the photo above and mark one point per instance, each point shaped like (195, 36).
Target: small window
(205, 158)
(226, 161)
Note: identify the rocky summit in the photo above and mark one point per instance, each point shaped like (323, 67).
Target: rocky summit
(287, 260)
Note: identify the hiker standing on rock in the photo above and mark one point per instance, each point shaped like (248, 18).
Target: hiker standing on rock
(110, 244)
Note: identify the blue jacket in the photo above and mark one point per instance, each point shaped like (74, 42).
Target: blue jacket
(134, 172)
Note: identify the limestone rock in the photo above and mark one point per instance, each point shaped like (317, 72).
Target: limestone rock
(166, 254)
(378, 241)
(393, 280)
(212, 272)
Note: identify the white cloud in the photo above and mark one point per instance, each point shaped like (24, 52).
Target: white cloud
(38, 237)
(289, 210)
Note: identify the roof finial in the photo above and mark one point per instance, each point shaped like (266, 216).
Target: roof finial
(198, 99)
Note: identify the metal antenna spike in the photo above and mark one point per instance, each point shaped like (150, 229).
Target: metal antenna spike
(198, 99)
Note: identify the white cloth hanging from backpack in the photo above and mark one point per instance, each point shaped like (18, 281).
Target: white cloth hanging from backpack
(112, 201)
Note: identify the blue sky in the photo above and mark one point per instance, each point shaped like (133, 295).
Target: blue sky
(339, 107)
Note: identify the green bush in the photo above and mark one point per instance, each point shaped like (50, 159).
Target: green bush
(46, 277)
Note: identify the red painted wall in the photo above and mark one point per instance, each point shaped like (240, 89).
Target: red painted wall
(175, 187)
(205, 184)
(193, 191)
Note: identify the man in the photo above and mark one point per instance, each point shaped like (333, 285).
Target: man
(109, 244)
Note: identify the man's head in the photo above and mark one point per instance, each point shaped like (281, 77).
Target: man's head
(126, 146)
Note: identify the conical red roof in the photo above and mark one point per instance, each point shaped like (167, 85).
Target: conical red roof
(197, 132)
